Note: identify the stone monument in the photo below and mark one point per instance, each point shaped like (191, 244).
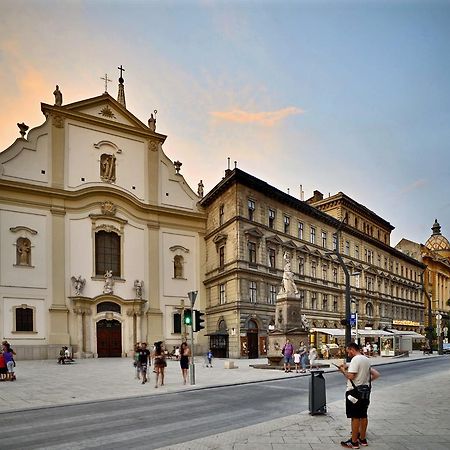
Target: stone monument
(290, 323)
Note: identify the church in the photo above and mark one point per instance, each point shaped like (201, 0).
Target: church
(100, 234)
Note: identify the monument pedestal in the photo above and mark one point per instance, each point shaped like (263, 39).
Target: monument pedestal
(288, 325)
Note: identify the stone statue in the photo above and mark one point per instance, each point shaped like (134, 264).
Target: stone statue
(138, 287)
(108, 167)
(305, 322)
(23, 252)
(288, 285)
(200, 189)
(58, 96)
(78, 284)
(109, 283)
(152, 123)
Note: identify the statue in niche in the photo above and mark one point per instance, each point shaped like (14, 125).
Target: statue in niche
(152, 123)
(108, 167)
(109, 283)
(138, 287)
(178, 266)
(58, 96)
(78, 284)
(288, 285)
(305, 322)
(200, 189)
(23, 252)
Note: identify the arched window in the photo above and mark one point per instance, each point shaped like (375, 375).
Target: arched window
(108, 307)
(107, 253)
(252, 325)
(178, 263)
(24, 318)
(369, 310)
(222, 326)
(23, 252)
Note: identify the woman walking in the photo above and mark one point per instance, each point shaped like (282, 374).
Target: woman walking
(159, 362)
(185, 352)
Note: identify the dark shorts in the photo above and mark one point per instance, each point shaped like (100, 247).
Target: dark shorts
(288, 359)
(356, 410)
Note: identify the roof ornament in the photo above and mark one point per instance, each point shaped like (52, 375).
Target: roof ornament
(107, 80)
(121, 94)
(58, 96)
(152, 121)
(436, 227)
(23, 129)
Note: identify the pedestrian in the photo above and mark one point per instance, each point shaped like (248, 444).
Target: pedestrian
(312, 357)
(288, 351)
(143, 361)
(3, 368)
(185, 352)
(209, 357)
(303, 356)
(159, 361)
(297, 360)
(62, 355)
(359, 377)
(177, 353)
(137, 347)
(9, 360)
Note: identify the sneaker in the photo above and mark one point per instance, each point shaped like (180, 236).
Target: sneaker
(363, 442)
(349, 444)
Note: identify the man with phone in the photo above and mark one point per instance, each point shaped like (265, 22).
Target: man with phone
(357, 400)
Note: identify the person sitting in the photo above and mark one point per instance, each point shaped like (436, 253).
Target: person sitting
(67, 355)
(62, 354)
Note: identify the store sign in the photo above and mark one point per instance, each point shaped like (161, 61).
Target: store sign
(406, 322)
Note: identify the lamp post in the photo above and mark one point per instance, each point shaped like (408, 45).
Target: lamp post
(438, 332)
(429, 328)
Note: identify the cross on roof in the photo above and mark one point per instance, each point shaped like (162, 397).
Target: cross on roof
(121, 70)
(107, 80)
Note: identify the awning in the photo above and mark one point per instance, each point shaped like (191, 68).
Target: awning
(409, 333)
(366, 332)
(330, 331)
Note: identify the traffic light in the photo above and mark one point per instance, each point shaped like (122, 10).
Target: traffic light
(187, 317)
(198, 320)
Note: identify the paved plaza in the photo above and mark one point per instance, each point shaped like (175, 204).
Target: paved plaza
(412, 415)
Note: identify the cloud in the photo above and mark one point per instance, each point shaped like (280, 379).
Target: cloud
(265, 118)
(418, 184)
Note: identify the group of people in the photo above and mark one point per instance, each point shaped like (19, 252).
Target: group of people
(302, 357)
(65, 356)
(144, 358)
(7, 362)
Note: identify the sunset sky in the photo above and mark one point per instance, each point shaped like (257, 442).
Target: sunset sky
(350, 96)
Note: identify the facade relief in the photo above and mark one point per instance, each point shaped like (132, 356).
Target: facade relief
(108, 168)
(108, 288)
(78, 284)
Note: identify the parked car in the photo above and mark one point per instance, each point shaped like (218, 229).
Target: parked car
(446, 347)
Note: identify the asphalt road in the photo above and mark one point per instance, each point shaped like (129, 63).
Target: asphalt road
(151, 422)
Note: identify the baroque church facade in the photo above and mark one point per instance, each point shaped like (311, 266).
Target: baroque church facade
(101, 237)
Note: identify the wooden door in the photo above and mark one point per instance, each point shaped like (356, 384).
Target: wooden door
(109, 338)
(252, 342)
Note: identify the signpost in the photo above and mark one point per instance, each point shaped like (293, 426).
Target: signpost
(192, 296)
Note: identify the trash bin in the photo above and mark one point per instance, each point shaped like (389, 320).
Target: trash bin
(317, 393)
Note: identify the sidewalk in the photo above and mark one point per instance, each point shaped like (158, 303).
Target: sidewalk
(412, 415)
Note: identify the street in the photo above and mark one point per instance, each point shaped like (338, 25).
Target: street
(156, 421)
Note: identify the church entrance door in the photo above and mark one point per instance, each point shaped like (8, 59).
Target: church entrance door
(109, 338)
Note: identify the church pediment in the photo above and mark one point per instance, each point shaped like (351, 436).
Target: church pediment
(101, 108)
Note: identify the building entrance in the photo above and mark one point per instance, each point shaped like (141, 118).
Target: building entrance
(252, 340)
(109, 338)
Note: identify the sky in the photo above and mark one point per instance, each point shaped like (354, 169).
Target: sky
(350, 96)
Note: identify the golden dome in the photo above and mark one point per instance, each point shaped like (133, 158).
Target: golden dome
(437, 242)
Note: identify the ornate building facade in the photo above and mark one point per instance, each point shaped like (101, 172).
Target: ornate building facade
(100, 237)
(435, 254)
(251, 225)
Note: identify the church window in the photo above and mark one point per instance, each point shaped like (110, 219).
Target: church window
(23, 252)
(177, 323)
(108, 307)
(107, 253)
(24, 318)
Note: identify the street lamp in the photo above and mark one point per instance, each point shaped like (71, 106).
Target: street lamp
(438, 332)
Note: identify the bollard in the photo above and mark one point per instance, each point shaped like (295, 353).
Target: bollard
(317, 393)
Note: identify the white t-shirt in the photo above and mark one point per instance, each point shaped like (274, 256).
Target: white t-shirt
(297, 358)
(360, 365)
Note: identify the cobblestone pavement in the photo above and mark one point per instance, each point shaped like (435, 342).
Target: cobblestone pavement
(412, 415)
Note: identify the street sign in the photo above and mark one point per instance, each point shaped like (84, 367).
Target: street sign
(352, 319)
(192, 296)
